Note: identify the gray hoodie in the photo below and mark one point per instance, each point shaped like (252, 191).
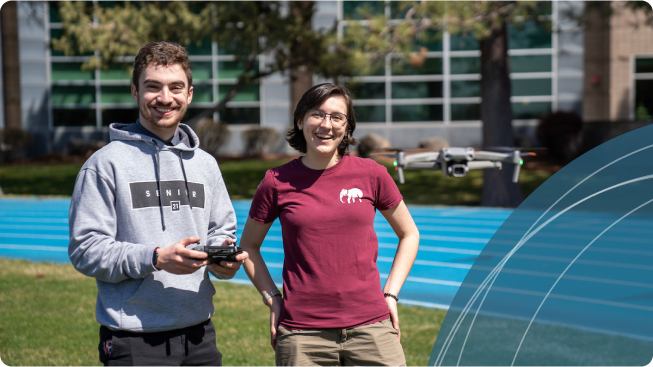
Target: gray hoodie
(132, 196)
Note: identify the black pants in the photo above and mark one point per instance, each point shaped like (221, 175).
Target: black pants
(194, 345)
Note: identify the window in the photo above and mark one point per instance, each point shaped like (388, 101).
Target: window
(370, 113)
(367, 90)
(408, 113)
(643, 85)
(429, 66)
(403, 90)
(81, 97)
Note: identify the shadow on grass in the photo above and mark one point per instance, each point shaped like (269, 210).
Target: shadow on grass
(47, 317)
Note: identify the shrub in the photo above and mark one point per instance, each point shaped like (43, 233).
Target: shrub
(434, 143)
(372, 143)
(14, 142)
(258, 140)
(213, 135)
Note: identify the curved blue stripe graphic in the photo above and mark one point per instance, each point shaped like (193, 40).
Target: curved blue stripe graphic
(567, 278)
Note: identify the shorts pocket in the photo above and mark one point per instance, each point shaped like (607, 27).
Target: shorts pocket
(388, 323)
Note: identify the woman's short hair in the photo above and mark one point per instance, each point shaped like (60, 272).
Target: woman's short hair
(314, 98)
(164, 54)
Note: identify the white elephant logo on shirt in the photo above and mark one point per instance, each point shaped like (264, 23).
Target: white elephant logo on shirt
(352, 194)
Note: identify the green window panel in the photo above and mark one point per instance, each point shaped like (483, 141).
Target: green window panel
(245, 115)
(56, 34)
(367, 90)
(531, 87)
(116, 94)
(120, 115)
(402, 90)
(202, 70)
(55, 15)
(370, 113)
(545, 7)
(355, 10)
(249, 93)
(72, 95)
(204, 48)
(529, 35)
(410, 113)
(532, 110)
(376, 69)
(530, 64)
(232, 69)
(644, 65)
(203, 93)
(644, 99)
(55, 11)
(70, 71)
(466, 112)
(73, 117)
(462, 42)
(227, 49)
(430, 66)
(465, 65)
(118, 72)
(465, 88)
(429, 39)
(398, 9)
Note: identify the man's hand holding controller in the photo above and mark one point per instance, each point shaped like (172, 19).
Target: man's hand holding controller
(177, 259)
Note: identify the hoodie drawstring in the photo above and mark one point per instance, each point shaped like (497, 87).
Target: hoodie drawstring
(158, 184)
(183, 170)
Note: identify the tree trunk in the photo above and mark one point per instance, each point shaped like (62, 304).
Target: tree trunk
(301, 74)
(596, 62)
(496, 114)
(11, 65)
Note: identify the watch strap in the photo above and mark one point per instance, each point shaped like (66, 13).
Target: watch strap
(268, 295)
(155, 257)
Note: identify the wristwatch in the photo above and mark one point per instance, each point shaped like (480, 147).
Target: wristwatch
(273, 293)
(155, 256)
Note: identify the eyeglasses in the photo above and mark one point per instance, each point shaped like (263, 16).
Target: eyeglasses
(317, 117)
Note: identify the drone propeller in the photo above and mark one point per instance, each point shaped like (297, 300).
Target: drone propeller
(395, 151)
(512, 149)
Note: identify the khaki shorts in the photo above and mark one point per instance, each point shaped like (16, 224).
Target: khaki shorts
(369, 345)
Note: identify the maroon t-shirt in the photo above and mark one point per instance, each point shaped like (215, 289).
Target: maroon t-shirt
(330, 277)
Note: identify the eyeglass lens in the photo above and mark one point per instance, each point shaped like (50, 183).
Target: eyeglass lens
(337, 118)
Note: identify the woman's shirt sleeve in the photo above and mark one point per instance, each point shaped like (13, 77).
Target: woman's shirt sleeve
(388, 194)
(264, 207)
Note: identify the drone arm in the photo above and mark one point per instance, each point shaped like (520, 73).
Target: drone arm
(483, 164)
(401, 161)
(423, 165)
(421, 157)
(493, 156)
(516, 159)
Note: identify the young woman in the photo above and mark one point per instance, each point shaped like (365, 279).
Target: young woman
(333, 309)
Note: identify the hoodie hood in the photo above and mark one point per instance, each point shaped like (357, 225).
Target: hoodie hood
(187, 139)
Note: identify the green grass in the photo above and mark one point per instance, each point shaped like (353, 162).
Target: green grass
(47, 317)
(39, 179)
(242, 179)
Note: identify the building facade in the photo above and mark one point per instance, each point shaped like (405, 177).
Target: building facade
(59, 101)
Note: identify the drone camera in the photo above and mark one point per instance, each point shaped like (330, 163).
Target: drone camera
(457, 170)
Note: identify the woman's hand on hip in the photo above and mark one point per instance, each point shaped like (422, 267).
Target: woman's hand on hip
(275, 314)
(394, 314)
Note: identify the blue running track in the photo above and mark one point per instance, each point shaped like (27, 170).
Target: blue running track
(451, 239)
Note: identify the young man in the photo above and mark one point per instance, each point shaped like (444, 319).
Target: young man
(138, 203)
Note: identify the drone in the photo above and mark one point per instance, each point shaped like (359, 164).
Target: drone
(456, 162)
